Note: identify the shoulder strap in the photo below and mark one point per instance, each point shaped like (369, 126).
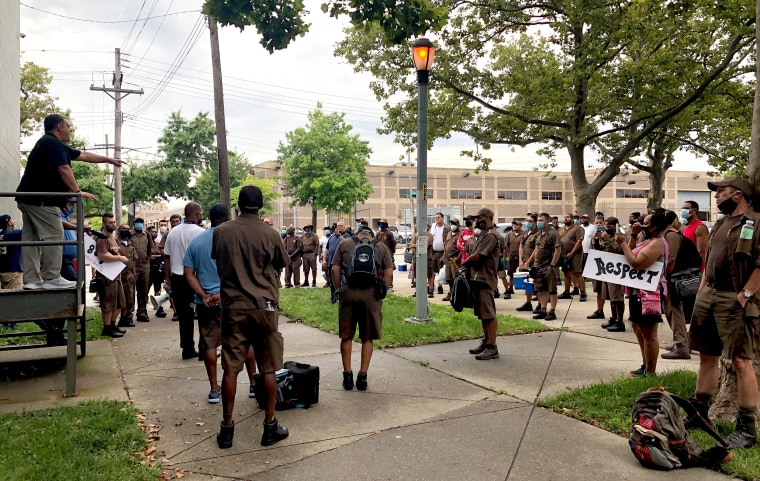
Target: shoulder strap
(692, 412)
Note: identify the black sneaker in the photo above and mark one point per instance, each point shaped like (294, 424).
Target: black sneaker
(511, 290)
(550, 316)
(574, 292)
(525, 307)
(431, 294)
(640, 372)
(745, 433)
(117, 329)
(490, 352)
(361, 381)
(143, 318)
(226, 433)
(348, 380)
(596, 315)
(540, 315)
(314, 284)
(583, 297)
(305, 284)
(161, 313)
(609, 323)
(496, 294)
(175, 318)
(189, 354)
(273, 433)
(564, 295)
(537, 310)
(440, 289)
(507, 295)
(481, 347)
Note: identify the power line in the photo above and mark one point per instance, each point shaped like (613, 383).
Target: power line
(104, 21)
(132, 29)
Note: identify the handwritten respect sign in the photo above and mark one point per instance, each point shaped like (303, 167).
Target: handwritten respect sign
(108, 269)
(613, 268)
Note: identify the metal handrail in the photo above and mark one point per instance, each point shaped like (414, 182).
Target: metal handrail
(71, 349)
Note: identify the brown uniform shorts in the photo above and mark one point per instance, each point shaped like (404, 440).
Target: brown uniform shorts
(111, 295)
(718, 325)
(210, 325)
(246, 328)
(546, 281)
(613, 292)
(358, 307)
(451, 271)
(482, 296)
(514, 263)
(575, 264)
(438, 260)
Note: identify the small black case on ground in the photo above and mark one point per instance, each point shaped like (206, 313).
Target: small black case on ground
(305, 382)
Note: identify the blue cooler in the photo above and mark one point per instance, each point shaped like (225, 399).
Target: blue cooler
(522, 281)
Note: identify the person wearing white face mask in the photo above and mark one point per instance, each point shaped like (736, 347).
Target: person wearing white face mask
(695, 229)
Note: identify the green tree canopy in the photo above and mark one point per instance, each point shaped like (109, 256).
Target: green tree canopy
(36, 102)
(280, 22)
(325, 164)
(268, 189)
(593, 76)
(206, 189)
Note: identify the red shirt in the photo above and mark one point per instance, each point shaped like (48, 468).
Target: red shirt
(690, 232)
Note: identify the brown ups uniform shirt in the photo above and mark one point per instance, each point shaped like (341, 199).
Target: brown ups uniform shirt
(545, 245)
(248, 256)
(570, 236)
(488, 245)
(343, 253)
(310, 243)
(143, 245)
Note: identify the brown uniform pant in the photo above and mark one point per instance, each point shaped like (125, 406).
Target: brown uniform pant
(128, 286)
(142, 286)
(309, 264)
(293, 269)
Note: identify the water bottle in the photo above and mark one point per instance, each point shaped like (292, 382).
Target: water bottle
(744, 246)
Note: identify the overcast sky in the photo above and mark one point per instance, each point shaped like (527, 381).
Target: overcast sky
(169, 58)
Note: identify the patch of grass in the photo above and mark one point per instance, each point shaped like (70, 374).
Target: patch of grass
(94, 327)
(608, 406)
(94, 440)
(312, 307)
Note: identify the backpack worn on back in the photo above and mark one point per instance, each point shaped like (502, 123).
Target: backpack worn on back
(362, 265)
(659, 438)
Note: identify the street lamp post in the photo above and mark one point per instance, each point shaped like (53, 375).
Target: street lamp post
(423, 54)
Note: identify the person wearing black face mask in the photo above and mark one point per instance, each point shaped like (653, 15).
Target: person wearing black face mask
(727, 305)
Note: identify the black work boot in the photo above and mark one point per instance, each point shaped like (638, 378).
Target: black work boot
(273, 433)
(744, 435)
(481, 347)
(226, 433)
(348, 380)
(361, 381)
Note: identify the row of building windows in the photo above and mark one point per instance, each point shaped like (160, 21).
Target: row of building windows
(521, 194)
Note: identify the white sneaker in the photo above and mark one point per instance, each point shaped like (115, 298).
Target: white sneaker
(59, 283)
(33, 285)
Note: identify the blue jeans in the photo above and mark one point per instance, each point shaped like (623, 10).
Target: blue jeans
(67, 269)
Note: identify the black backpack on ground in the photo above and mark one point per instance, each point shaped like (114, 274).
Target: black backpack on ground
(659, 439)
(362, 265)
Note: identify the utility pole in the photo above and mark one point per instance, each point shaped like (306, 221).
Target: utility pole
(118, 94)
(221, 125)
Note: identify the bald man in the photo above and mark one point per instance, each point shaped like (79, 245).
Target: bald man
(174, 252)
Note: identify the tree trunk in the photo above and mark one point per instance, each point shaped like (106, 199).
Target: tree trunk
(724, 406)
(314, 219)
(656, 181)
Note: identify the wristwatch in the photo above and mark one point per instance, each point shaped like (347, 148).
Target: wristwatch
(747, 293)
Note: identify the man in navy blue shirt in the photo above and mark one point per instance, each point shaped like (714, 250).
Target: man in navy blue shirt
(48, 169)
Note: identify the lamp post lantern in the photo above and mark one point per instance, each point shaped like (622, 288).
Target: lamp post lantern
(423, 54)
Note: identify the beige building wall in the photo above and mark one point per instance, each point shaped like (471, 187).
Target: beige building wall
(10, 168)
(510, 193)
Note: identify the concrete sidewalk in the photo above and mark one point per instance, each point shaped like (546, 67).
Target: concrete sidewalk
(430, 413)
